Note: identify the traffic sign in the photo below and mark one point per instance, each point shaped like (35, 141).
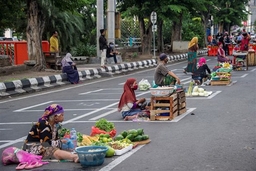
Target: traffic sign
(153, 17)
(154, 28)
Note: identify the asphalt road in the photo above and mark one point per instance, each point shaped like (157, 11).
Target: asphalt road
(220, 136)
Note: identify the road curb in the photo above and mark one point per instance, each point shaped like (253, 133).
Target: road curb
(30, 85)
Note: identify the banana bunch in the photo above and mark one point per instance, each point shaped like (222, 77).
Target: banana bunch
(87, 140)
(226, 65)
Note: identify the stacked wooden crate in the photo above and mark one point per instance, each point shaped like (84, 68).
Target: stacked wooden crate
(167, 108)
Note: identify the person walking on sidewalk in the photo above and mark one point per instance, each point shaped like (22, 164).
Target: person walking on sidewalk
(54, 43)
(103, 47)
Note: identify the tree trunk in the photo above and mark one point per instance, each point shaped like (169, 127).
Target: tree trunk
(176, 30)
(221, 27)
(160, 40)
(146, 37)
(205, 24)
(34, 32)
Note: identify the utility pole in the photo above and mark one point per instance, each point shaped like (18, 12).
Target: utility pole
(111, 20)
(100, 22)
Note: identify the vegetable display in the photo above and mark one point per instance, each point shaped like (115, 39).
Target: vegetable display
(104, 125)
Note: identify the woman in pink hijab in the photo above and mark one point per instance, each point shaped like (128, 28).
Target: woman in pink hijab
(200, 73)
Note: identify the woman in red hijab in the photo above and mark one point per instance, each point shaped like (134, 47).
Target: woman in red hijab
(128, 105)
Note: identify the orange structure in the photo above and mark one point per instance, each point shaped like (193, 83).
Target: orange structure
(17, 50)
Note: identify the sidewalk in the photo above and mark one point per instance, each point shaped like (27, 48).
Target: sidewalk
(30, 81)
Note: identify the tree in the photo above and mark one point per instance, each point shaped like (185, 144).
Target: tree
(36, 15)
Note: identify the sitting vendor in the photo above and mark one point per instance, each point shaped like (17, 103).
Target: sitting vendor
(237, 49)
(221, 54)
(163, 76)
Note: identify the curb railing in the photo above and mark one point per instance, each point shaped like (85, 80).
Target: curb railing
(29, 85)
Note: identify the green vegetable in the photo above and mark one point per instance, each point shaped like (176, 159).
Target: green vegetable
(124, 133)
(104, 125)
(133, 132)
(145, 137)
(140, 131)
(138, 138)
(119, 137)
(130, 137)
(79, 137)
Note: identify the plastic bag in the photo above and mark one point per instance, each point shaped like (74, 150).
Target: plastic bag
(13, 155)
(69, 145)
(96, 131)
(144, 85)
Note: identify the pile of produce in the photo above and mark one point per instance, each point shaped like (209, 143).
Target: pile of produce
(133, 135)
(102, 126)
(65, 133)
(224, 67)
(220, 76)
(102, 137)
(144, 85)
(200, 92)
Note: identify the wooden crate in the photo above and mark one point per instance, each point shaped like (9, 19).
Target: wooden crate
(176, 104)
(170, 102)
(220, 82)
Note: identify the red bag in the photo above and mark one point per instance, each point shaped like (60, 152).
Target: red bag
(96, 131)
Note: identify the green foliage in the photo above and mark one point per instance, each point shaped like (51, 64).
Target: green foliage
(192, 28)
(103, 124)
(84, 50)
(167, 31)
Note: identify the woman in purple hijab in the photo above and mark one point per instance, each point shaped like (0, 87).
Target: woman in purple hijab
(69, 67)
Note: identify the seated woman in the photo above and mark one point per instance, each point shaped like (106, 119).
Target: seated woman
(111, 52)
(221, 54)
(69, 67)
(200, 73)
(129, 106)
(45, 135)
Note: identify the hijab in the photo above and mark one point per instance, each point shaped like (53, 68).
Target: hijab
(65, 61)
(53, 109)
(201, 62)
(128, 95)
(193, 42)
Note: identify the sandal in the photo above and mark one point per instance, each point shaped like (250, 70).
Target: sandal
(22, 166)
(33, 165)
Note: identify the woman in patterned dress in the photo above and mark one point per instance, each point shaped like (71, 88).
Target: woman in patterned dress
(43, 137)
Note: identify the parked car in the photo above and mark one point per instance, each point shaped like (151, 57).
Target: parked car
(2, 38)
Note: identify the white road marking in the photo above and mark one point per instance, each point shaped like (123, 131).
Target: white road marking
(102, 115)
(6, 141)
(16, 123)
(40, 104)
(204, 97)
(213, 95)
(244, 75)
(232, 83)
(65, 110)
(5, 129)
(253, 70)
(86, 100)
(91, 92)
(12, 142)
(120, 159)
(178, 118)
